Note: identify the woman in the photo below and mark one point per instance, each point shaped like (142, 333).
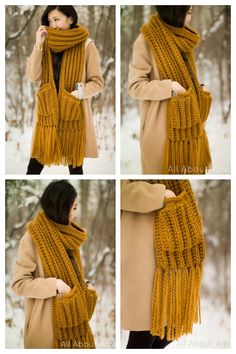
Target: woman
(162, 251)
(173, 105)
(66, 62)
(48, 273)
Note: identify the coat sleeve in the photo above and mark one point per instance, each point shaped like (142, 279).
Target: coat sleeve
(140, 86)
(24, 283)
(142, 197)
(34, 65)
(94, 79)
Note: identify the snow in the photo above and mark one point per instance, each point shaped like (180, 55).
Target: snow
(130, 157)
(26, 8)
(17, 157)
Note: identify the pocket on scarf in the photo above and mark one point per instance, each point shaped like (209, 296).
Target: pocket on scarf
(44, 102)
(184, 118)
(70, 107)
(91, 299)
(206, 100)
(180, 233)
(69, 309)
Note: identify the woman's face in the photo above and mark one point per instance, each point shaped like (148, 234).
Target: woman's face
(73, 212)
(188, 17)
(58, 20)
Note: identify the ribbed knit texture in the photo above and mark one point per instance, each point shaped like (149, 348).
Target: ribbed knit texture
(59, 136)
(187, 149)
(179, 251)
(71, 312)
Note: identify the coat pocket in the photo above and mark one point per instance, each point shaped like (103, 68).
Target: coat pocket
(179, 233)
(91, 299)
(70, 107)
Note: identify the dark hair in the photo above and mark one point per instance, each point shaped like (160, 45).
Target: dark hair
(173, 15)
(57, 201)
(67, 10)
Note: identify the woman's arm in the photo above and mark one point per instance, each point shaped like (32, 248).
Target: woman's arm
(34, 64)
(140, 86)
(34, 67)
(94, 79)
(23, 282)
(142, 197)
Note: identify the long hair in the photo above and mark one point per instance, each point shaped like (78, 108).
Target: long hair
(173, 15)
(57, 201)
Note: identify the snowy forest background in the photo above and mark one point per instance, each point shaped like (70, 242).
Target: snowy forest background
(214, 68)
(96, 213)
(22, 23)
(213, 197)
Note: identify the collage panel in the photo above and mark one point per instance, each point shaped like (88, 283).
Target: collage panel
(62, 120)
(60, 264)
(175, 264)
(176, 89)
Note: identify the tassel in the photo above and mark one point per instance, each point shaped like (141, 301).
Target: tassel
(175, 302)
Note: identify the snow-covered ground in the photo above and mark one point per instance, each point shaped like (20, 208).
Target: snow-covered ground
(17, 157)
(218, 135)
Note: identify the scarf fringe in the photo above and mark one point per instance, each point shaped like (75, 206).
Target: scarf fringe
(69, 145)
(187, 157)
(176, 302)
(46, 147)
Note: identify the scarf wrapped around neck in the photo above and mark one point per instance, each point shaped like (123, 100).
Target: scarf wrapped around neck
(59, 136)
(187, 149)
(179, 251)
(71, 312)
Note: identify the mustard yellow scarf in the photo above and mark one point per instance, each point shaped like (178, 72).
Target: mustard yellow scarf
(187, 149)
(59, 136)
(179, 251)
(72, 312)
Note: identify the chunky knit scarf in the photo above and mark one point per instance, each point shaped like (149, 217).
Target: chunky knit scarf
(71, 312)
(59, 136)
(179, 251)
(187, 149)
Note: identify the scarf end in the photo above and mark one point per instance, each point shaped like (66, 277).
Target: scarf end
(57, 147)
(187, 157)
(176, 302)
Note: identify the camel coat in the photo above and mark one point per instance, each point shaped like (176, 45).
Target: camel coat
(29, 281)
(93, 85)
(146, 85)
(138, 202)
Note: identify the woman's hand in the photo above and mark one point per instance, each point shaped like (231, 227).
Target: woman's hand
(74, 93)
(89, 286)
(41, 35)
(62, 287)
(203, 87)
(176, 87)
(169, 194)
